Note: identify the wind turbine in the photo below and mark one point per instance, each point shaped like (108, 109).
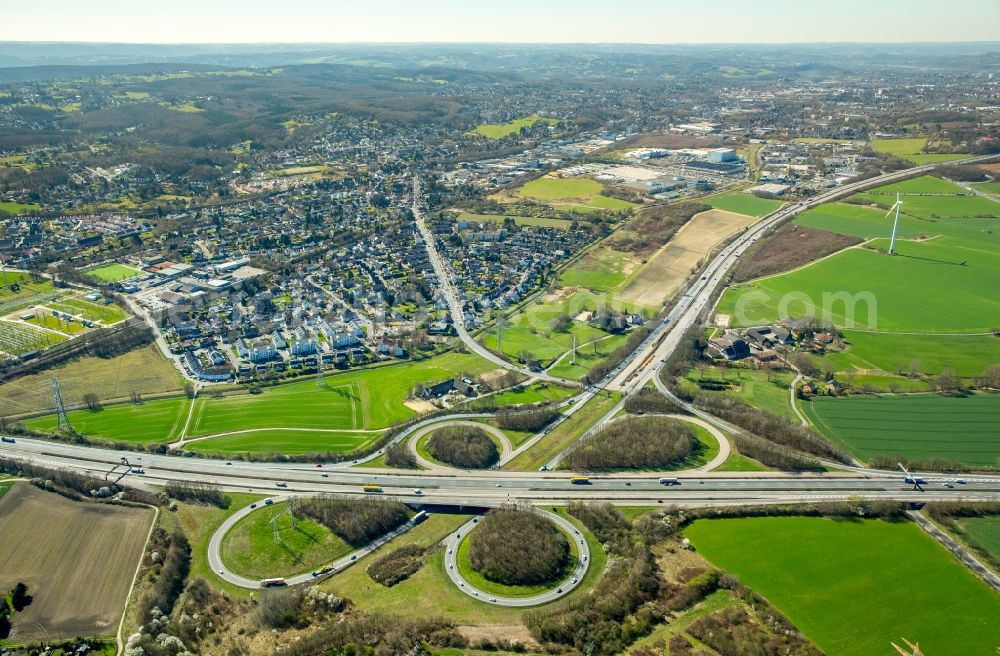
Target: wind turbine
(895, 224)
(913, 651)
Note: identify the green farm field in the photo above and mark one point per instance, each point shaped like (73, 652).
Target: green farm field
(860, 221)
(839, 582)
(966, 355)
(748, 385)
(288, 442)
(18, 208)
(741, 203)
(915, 426)
(152, 422)
(538, 221)
(984, 532)
(501, 130)
(112, 273)
(587, 355)
(910, 149)
(534, 393)
(141, 370)
(364, 399)
(249, 548)
(939, 285)
(600, 270)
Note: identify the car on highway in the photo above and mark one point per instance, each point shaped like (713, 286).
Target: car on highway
(417, 491)
(493, 599)
(960, 481)
(325, 475)
(268, 501)
(229, 464)
(281, 484)
(252, 506)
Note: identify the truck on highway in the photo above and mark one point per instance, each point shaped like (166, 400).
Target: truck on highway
(669, 481)
(580, 480)
(8, 440)
(371, 487)
(272, 583)
(419, 517)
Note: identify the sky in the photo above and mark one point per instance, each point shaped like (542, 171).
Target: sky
(512, 21)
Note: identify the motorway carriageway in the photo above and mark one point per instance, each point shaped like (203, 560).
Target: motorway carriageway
(491, 487)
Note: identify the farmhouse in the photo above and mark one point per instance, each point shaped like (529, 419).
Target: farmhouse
(729, 349)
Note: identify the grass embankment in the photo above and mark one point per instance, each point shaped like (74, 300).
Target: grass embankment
(838, 581)
(199, 523)
(564, 434)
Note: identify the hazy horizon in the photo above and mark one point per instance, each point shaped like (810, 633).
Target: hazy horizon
(641, 22)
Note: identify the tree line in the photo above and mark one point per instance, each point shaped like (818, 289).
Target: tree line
(633, 443)
(355, 521)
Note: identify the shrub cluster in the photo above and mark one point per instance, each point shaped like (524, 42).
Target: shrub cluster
(529, 419)
(204, 493)
(468, 447)
(170, 569)
(607, 524)
(616, 357)
(356, 521)
(61, 478)
(650, 401)
(613, 616)
(397, 565)
(278, 608)
(518, 547)
(378, 635)
(731, 632)
(633, 443)
(399, 455)
(775, 428)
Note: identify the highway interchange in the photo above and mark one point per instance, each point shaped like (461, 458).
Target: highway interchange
(475, 490)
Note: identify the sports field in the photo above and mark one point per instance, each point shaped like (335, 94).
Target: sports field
(77, 559)
(252, 549)
(105, 314)
(538, 221)
(852, 586)
(741, 203)
(665, 272)
(578, 192)
(910, 149)
(915, 426)
(154, 421)
(112, 273)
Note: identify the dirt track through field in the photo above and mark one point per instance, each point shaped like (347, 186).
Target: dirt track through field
(77, 558)
(664, 273)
